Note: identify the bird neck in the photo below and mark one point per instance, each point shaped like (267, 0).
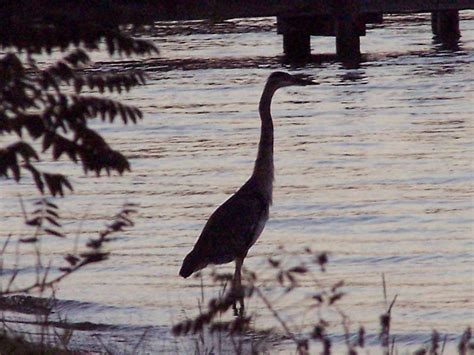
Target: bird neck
(263, 171)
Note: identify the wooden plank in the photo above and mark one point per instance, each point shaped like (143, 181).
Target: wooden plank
(322, 25)
(188, 9)
(176, 10)
(414, 6)
(167, 10)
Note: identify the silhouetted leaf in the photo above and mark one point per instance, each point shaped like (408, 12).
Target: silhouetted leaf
(46, 99)
(29, 240)
(55, 183)
(94, 257)
(53, 232)
(47, 141)
(36, 177)
(50, 204)
(24, 150)
(52, 213)
(34, 221)
(72, 259)
(299, 269)
(318, 297)
(76, 57)
(33, 124)
(335, 297)
(52, 221)
(280, 278)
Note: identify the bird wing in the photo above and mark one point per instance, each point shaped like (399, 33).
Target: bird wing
(231, 230)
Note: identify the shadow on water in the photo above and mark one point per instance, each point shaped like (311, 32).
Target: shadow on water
(275, 62)
(204, 27)
(323, 58)
(354, 77)
(441, 47)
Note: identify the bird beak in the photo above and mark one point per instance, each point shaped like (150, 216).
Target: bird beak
(303, 81)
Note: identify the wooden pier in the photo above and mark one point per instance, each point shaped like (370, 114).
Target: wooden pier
(298, 20)
(347, 20)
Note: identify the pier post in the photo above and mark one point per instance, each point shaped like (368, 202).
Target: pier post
(347, 29)
(434, 22)
(296, 44)
(445, 24)
(296, 37)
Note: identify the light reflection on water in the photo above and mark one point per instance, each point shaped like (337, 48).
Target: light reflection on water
(374, 165)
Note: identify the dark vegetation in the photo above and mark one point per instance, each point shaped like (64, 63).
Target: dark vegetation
(49, 103)
(45, 112)
(18, 345)
(314, 338)
(12, 298)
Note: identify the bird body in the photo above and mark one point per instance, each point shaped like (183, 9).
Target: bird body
(231, 230)
(236, 225)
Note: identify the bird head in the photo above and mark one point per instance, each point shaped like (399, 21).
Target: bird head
(280, 79)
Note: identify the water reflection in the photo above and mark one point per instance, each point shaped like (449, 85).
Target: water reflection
(353, 77)
(446, 44)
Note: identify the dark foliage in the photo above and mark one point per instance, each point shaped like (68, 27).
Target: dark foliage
(46, 221)
(48, 104)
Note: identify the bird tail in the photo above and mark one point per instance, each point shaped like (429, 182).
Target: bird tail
(192, 263)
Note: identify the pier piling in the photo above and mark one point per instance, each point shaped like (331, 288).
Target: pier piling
(296, 33)
(445, 24)
(347, 29)
(296, 44)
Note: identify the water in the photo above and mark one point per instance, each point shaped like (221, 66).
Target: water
(374, 166)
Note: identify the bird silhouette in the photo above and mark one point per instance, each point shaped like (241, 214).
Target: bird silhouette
(236, 225)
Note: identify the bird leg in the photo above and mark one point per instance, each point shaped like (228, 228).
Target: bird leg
(237, 287)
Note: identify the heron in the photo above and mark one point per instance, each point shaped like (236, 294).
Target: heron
(236, 224)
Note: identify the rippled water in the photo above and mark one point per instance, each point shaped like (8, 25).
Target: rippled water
(374, 166)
